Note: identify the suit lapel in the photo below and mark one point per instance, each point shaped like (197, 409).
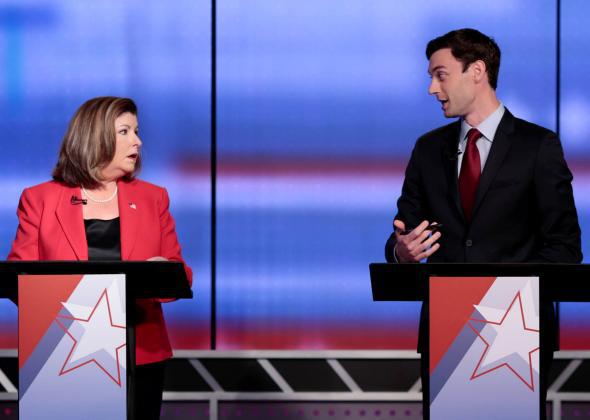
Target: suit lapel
(498, 152)
(71, 221)
(450, 147)
(129, 217)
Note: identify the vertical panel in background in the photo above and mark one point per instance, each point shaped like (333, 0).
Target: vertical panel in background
(170, 59)
(54, 55)
(575, 136)
(319, 106)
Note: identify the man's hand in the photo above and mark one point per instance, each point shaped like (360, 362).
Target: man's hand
(416, 245)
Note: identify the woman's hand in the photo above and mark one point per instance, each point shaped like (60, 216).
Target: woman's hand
(158, 258)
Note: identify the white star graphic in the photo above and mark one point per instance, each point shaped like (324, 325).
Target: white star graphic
(527, 299)
(96, 339)
(509, 343)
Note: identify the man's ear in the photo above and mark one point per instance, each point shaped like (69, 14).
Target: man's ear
(479, 71)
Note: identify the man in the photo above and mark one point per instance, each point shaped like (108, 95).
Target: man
(498, 186)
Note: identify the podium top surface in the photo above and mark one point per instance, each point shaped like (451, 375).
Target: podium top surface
(145, 279)
(409, 282)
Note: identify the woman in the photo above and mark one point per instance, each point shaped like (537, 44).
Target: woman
(95, 209)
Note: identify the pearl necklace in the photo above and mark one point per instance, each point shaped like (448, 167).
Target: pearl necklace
(104, 200)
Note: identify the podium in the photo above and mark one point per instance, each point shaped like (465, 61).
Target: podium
(76, 331)
(483, 330)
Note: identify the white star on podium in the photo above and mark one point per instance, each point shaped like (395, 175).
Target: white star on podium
(506, 339)
(98, 340)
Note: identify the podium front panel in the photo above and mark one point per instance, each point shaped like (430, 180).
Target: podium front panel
(72, 346)
(484, 348)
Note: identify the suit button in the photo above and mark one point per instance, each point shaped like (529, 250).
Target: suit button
(468, 243)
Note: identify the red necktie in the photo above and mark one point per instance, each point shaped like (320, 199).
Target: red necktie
(470, 173)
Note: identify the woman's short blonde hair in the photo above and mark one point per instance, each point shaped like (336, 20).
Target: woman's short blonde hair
(89, 144)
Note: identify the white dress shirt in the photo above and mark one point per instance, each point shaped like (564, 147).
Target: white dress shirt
(488, 129)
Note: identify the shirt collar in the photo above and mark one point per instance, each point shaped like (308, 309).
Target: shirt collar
(487, 127)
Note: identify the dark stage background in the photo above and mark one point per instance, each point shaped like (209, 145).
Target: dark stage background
(318, 107)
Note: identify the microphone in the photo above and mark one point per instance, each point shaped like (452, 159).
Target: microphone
(450, 156)
(75, 200)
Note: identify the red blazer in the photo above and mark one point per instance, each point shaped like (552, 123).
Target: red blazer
(51, 228)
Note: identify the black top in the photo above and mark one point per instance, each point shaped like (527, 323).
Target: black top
(104, 239)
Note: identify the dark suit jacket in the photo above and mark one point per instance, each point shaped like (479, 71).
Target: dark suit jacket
(524, 209)
(52, 228)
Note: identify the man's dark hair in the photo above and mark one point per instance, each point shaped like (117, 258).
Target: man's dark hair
(469, 45)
